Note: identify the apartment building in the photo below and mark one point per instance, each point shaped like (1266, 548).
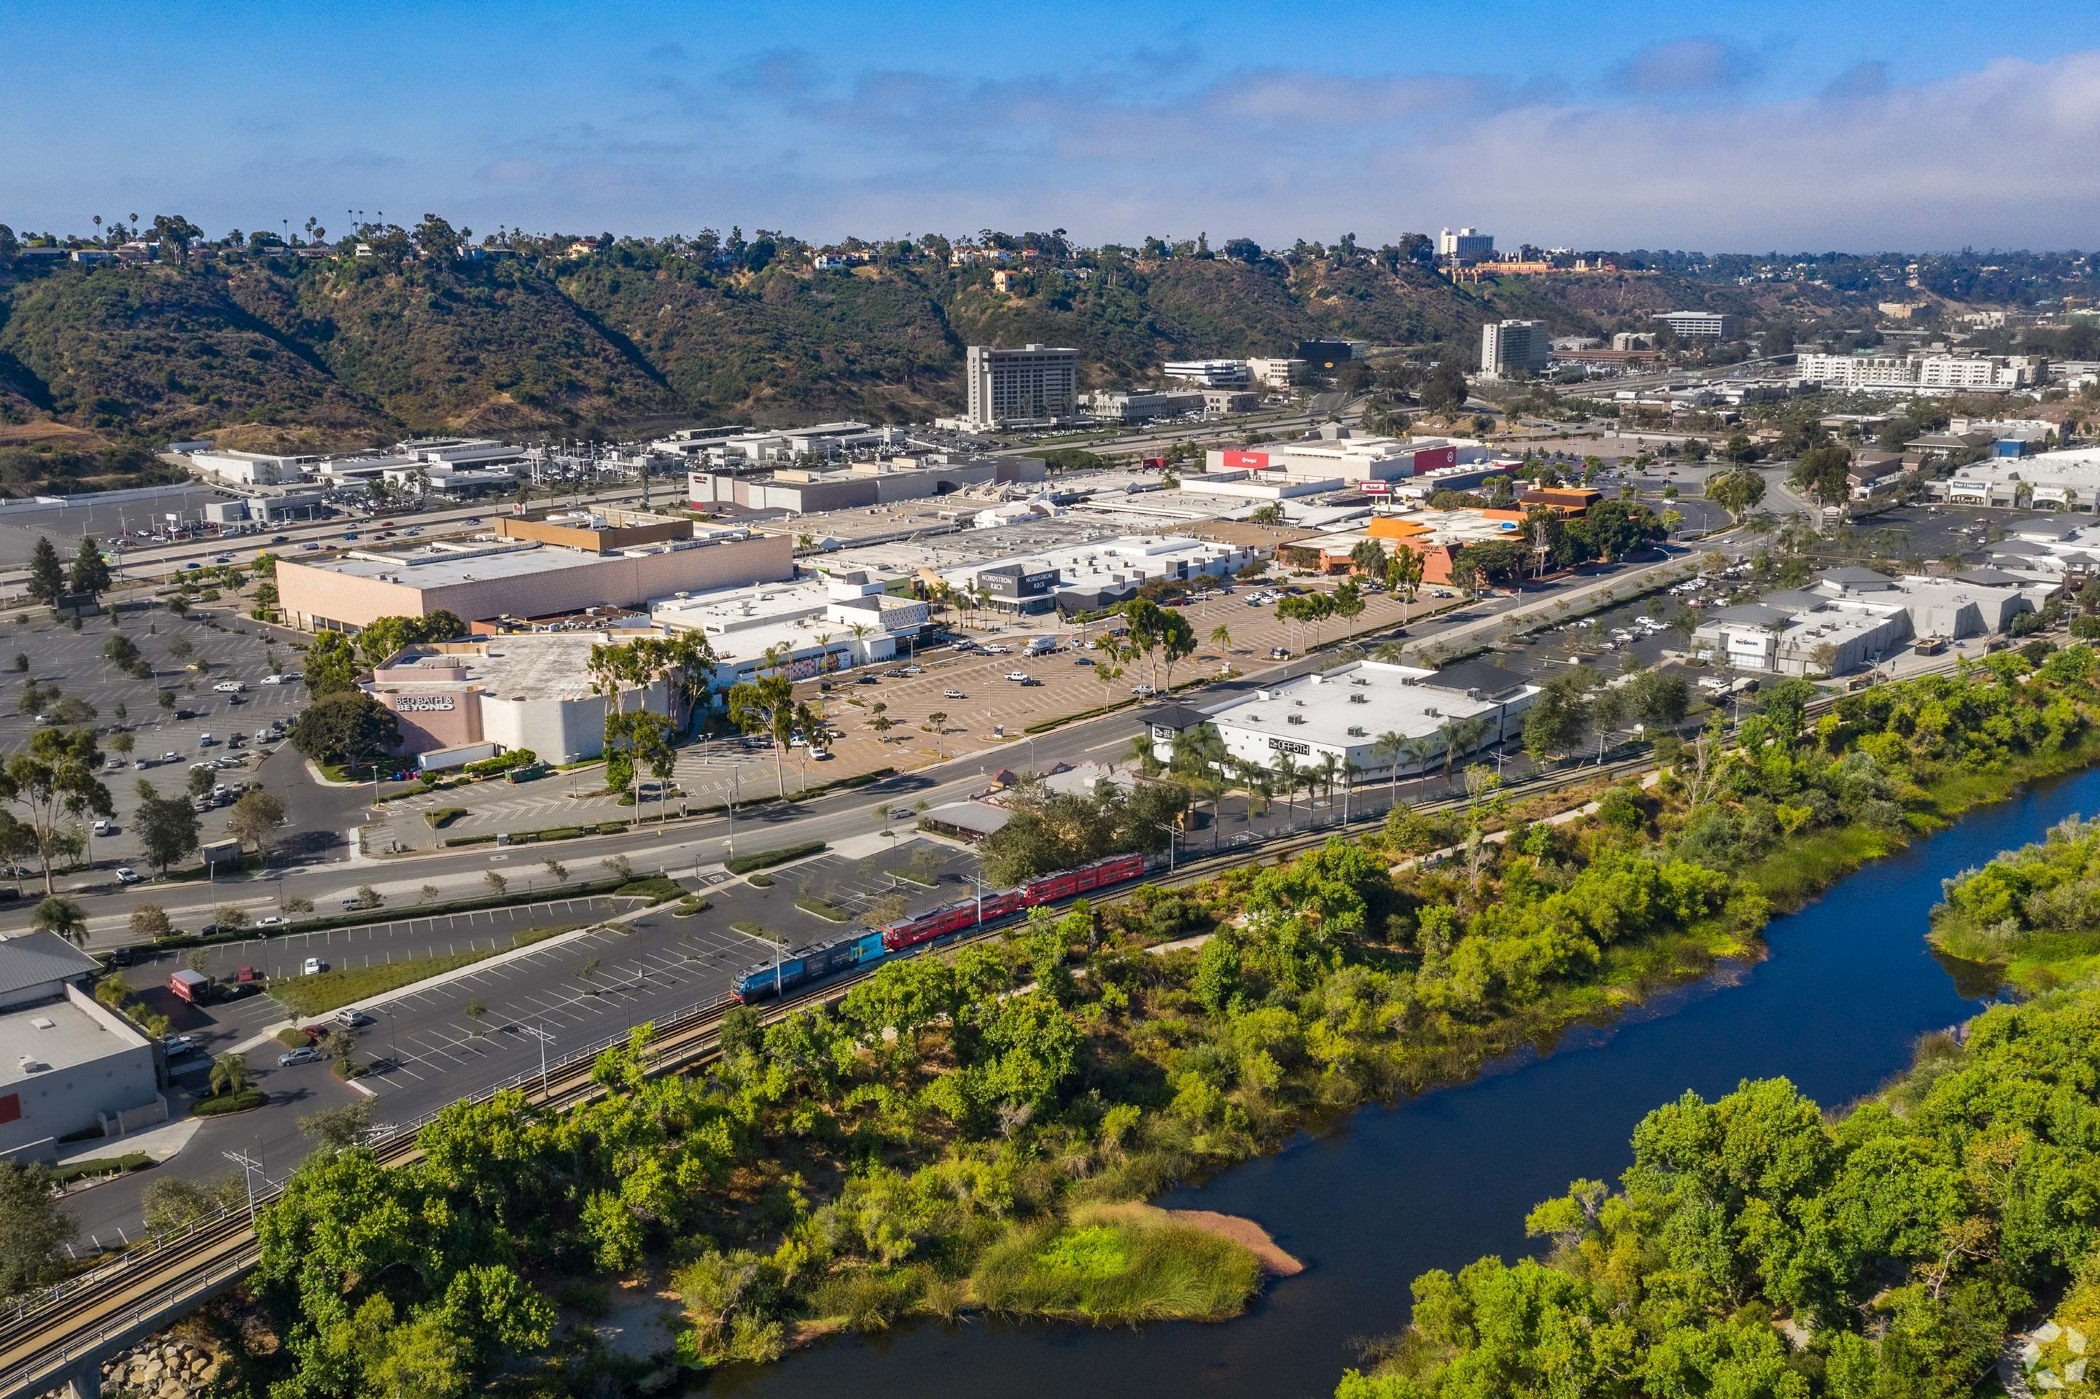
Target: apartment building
(1464, 245)
(1923, 373)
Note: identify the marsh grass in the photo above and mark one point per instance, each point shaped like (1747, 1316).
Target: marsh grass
(1116, 1264)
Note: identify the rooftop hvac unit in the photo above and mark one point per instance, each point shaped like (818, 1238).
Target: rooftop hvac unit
(1356, 731)
(1296, 718)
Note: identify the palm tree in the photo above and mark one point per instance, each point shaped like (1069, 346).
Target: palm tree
(1221, 636)
(229, 1075)
(60, 915)
(1287, 775)
(937, 725)
(1327, 767)
(1389, 746)
(1459, 735)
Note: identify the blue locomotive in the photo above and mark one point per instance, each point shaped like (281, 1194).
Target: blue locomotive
(807, 964)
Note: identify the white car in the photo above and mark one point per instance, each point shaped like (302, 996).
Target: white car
(275, 680)
(127, 875)
(1142, 691)
(103, 826)
(1017, 675)
(313, 966)
(230, 687)
(206, 741)
(352, 1017)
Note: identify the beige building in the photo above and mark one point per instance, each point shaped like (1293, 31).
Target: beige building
(526, 690)
(476, 580)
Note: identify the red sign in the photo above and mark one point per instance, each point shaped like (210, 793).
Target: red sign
(1377, 488)
(1247, 461)
(1435, 458)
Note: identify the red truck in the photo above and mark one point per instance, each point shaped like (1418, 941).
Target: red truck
(194, 987)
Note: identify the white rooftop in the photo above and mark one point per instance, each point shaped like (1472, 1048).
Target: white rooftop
(55, 1035)
(1353, 705)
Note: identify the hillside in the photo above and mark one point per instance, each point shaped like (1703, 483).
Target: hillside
(631, 335)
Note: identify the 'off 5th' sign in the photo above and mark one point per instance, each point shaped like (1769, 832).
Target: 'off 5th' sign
(416, 704)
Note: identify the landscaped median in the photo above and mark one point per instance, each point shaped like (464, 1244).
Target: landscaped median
(767, 859)
(325, 991)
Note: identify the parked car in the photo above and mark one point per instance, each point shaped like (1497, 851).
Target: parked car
(305, 1055)
(141, 764)
(1279, 653)
(352, 1017)
(313, 966)
(127, 875)
(230, 687)
(103, 826)
(179, 1045)
(171, 757)
(1083, 660)
(953, 694)
(206, 741)
(1142, 691)
(1017, 675)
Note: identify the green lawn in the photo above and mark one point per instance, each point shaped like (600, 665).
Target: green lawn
(325, 991)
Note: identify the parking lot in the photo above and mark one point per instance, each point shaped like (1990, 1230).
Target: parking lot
(65, 664)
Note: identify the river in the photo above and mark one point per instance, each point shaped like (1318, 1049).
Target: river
(1442, 1179)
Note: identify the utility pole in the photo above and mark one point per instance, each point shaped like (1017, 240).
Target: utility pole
(248, 1167)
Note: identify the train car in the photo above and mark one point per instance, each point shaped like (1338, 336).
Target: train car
(914, 932)
(954, 918)
(808, 964)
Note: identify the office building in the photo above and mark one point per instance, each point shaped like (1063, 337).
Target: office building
(521, 576)
(1854, 617)
(1328, 354)
(67, 1064)
(1141, 407)
(1460, 247)
(1342, 714)
(1276, 374)
(1034, 384)
(1510, 346)
(1699, 325)
(856, 485)
(1211, 373)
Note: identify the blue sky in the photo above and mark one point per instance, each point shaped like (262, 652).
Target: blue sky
(1724, 126)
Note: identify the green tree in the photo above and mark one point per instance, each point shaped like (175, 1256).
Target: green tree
(47, 576)
(61, 916)
(229, 1075)
(255, 819)
(1559, 716)
(1738, 492)
(766, 705)
(90, 575)
(1823, 474)
(331, 665)
(34, 1228)
(55, 778)
(166, 827)
(348, 728)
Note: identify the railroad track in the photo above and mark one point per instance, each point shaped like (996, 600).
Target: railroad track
(47, 1338)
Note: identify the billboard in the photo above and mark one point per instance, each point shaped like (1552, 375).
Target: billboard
(1247, 461)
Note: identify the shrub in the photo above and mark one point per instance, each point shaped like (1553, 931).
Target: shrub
(229, 1102)
(656, 889)
(100, 1166)
(766, 859)
(444, 816)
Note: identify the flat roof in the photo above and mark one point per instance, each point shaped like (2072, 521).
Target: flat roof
(520, 665)
(57, 1035)
(1407, 700)
(439, 564)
